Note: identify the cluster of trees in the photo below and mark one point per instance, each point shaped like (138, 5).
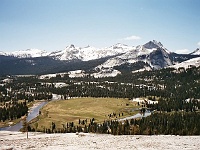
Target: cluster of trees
(165, 83)
(13, 111)
(168, 105)
(172, 88)
(11, 93)
(176, 123)
(25, 96)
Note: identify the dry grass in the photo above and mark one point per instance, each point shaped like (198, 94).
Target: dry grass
(15, 121)
(9, 122)
(72, 110)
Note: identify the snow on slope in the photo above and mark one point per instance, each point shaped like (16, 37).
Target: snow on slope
(77, 73)
(142, 50)
(111, 63)
(146, 68)
(69, 53)
(29, 53)
(188, 63)
(2, 53)
(47, 76)
(109, 72)
(120, 48)
(154, 45)
(152, 53)
(89, 53)
(196, 52)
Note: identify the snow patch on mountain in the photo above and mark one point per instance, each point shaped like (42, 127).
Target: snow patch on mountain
(2, 53)
(142, 50)
(106, 72)
(47, 76)
(111, 63)
(188, 63)
(29, 53)
(146, 68)
(152, 53)
(120, 48)
(77, 73)
(60, 84)
(89, 53)
(69, 53)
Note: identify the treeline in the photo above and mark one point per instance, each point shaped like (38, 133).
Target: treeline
(178, 84)
(25, 96)
(24, 91)
(13, 110)
(19, 89)
(176, 123)
(171, 104)
(165, 83)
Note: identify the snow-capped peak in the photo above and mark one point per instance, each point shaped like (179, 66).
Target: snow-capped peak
(70, 47)
(2, 53)
(158, 43)
(119, 48)
(153, 44)
(87, 46)
(89, 52)
(71, 52)
(29, 53)
(120, 45)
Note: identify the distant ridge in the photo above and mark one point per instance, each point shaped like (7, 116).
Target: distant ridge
(98, 62)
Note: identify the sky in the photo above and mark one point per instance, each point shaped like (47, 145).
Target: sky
(54, 24)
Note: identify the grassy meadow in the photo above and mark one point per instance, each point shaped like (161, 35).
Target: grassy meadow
(63, 111)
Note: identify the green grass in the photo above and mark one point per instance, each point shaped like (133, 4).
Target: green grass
(72, 110)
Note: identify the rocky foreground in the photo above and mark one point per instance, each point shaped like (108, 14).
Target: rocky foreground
(71, 141)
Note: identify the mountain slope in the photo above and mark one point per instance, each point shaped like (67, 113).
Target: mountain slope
(29, 53)
(196, 52)
(152, 54)
(88, 53)
(112, 60)
(159, 59)
(188, 63)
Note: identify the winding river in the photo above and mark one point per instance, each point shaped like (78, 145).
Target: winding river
(138, 115)
(35, 112)
(32, 114)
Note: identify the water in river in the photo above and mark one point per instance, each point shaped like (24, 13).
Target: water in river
(138, 115)
(35, 112)
(32, 114)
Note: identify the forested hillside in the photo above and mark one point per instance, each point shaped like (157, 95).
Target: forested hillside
(177, 93)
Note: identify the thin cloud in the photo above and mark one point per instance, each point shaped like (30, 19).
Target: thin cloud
(130, 38)
(182, 51)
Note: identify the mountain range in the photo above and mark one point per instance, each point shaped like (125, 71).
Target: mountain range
(99, 62)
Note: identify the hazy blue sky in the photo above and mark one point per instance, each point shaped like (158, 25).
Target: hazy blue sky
(54, 24)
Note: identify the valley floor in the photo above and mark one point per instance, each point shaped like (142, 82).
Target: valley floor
(70, 141)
